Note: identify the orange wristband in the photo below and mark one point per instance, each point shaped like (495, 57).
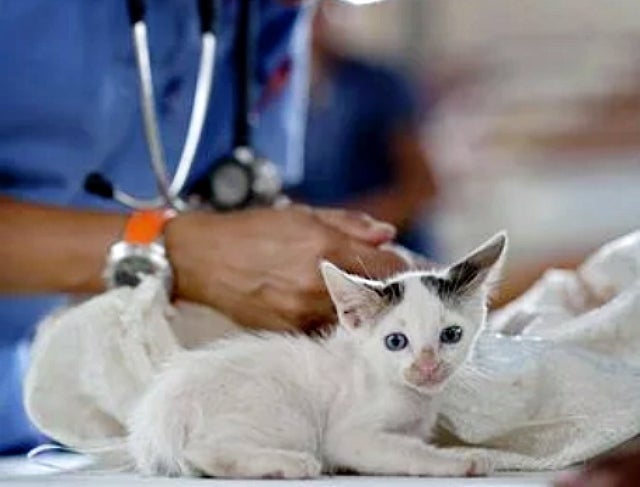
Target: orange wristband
(145, 226)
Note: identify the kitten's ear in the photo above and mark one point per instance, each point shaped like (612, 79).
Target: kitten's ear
(479, 270)
(357, 300)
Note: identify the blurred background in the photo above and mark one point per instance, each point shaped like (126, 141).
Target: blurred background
(526, 115)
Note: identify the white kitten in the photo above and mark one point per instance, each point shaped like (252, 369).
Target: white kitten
(363, 399)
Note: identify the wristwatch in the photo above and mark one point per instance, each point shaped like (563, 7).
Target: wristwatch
(140, 252)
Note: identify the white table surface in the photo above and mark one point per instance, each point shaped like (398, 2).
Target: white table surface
(19, 472)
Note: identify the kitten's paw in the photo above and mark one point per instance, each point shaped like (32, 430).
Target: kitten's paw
(295, 466)
(443, 467)
(255, 463)
(479, 466)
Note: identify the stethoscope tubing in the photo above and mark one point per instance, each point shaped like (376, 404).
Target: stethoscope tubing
(169, 190)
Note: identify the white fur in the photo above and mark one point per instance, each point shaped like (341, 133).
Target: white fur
(275, 405)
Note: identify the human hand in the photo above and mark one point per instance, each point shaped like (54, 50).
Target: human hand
(260, 267)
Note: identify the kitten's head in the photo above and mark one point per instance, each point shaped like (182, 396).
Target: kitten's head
(418, 327)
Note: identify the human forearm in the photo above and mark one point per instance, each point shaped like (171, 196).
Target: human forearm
(259, 267)
(48, 249)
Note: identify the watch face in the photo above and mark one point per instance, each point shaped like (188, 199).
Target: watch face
(128, 263)
(230, 185)
(127, 271)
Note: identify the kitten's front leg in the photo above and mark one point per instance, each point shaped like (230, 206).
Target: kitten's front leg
(382, 453)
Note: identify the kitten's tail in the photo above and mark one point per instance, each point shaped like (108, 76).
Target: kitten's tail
(108, 456)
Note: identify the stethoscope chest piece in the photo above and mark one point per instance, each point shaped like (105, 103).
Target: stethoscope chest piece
(240, 181)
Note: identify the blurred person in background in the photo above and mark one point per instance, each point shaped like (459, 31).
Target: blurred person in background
(362, 148)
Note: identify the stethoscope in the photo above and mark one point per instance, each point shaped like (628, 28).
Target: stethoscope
(236, 181)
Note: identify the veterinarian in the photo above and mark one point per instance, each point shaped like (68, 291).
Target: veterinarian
(70, 108)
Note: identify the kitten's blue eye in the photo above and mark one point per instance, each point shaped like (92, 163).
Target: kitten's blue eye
(396, 341)
(451, 334)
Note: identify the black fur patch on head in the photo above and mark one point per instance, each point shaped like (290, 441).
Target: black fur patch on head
(464, 276)
(459, 279)
(391, 293)
(438, 285)
(469, 275)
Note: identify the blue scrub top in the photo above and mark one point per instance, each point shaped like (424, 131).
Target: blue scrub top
(69, 105)
(352, 116)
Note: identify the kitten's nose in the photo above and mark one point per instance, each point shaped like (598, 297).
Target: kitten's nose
(427, 368)
(428, 354)
(428, 361)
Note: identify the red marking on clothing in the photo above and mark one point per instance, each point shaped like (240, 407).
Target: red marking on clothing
(275, 84)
